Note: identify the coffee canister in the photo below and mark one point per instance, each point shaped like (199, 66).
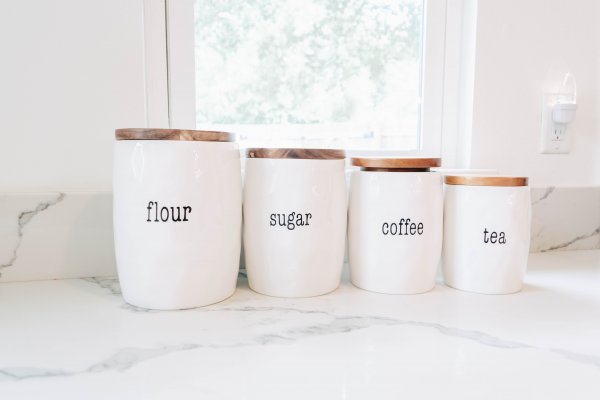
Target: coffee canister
(177, 216)
(294, 221)
(395, 224)
(486, 233)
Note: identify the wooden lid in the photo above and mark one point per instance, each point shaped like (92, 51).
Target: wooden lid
(474, 180)
(309, 154)
(396, 164)
(172, 134)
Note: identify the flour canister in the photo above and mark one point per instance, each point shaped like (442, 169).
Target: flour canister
(177, 216)
(294, 221)
(486, 233)
(395, 224)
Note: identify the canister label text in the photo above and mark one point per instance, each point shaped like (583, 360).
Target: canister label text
(291, 220)
(404, 227)
(494, 237)
(166, 214)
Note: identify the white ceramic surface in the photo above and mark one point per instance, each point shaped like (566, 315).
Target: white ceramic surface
(305, 257)
(395, 230)
(78, 339)
(486, 237)
(177, 221)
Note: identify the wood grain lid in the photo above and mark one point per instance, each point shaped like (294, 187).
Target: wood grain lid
(396, 164)
(474, 180)
(308, 154)
(172, 134)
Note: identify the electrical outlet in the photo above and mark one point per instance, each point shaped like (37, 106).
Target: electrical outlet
(555, 138)
(560, 133)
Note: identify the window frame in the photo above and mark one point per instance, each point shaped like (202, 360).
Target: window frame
(170, 71)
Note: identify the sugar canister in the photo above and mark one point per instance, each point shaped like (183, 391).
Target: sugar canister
(294, 220)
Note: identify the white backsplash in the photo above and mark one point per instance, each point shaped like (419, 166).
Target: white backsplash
(565, 218)
(55, 235)
(58, 235)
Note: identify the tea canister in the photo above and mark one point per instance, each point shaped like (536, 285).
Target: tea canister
(177, 216)
(395, 224)
(294, 221)
(486, 233)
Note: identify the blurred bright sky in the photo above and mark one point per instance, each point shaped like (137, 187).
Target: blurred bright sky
(349, 68)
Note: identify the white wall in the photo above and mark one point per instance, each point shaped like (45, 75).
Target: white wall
(71, 72)
(524, 48)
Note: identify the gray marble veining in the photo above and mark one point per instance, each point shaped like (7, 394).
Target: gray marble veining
(23, 218)
(69, 235)
(74, 339)
(55, 236)
(565, 218)
(125, 358)
(576, 239)
(544, 195)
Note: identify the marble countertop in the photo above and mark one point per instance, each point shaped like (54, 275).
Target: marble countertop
(76, 338)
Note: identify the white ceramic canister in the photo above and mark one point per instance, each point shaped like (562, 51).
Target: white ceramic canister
(395, 224)
(177, 216)
(486, 233)
(294, 221)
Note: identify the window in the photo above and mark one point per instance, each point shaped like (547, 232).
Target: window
(354, 74)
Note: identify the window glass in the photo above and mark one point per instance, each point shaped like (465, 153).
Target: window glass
(311, 72)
